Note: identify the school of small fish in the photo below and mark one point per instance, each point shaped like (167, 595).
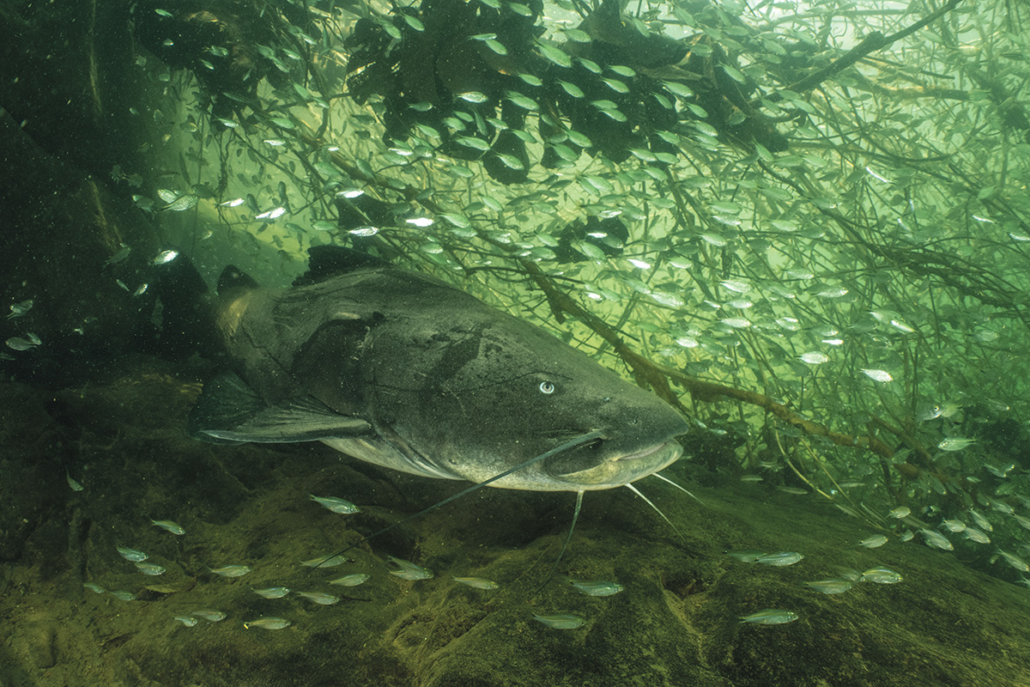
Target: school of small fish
(407, 570)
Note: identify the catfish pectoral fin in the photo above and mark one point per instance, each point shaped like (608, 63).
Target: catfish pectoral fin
(229, 411)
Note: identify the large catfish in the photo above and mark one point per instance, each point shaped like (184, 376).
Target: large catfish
(402, 370)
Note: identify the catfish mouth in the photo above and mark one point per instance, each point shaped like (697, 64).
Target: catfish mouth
(599, 465)
(640, 455)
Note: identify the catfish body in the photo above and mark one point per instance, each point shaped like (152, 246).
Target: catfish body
(402, 370)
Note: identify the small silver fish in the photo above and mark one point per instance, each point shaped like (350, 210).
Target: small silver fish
(875, 541)
(231, 571)
(1023, 522)
(119, 256)
(94, 587)
(881, 576)
(797, 491)
(407, 570)
(746, 555)
(936, 540)
(981, 520)
(19, 309)
(770, 616)
(23, 343)
(900, 512)
(168, 526)
(1014, 561)
(955, 526)
(881, 376)
(975, 535)
(209, 615)
(597, 588)
(267, 623)
(780, 559)
(165, 257)
(273, 592)
(847, 573)
(336, 505)
(75, 486)
(927, 411)
(187, 620)
(955, 444)
(832, 586)
(325, 562)
(351, 580)
(123, 595)
(1001, 507)
(476, 582)
(132, 554)
(320, 598)
(150, 569)
(561, 621)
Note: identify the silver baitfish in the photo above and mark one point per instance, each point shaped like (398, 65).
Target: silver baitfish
(873, 542)
(770, 616)
(351, 580)
(561, 621)
(597, 588)
(407, 570)
(132, 554)
(168, 526)
(325, 562)
(780, 559)
(209, 615)
(476, 582)
(320, 598)
(832, 586)
(881, 576)
(267, 623)
(150, 569)
(336, 505)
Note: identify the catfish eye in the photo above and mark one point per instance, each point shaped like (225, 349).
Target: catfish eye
(546, 387)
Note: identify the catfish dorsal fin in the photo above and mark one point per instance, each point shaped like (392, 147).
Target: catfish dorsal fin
(329, 261)
(233, 278)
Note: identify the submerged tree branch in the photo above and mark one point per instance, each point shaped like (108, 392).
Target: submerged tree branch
(871, 43)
